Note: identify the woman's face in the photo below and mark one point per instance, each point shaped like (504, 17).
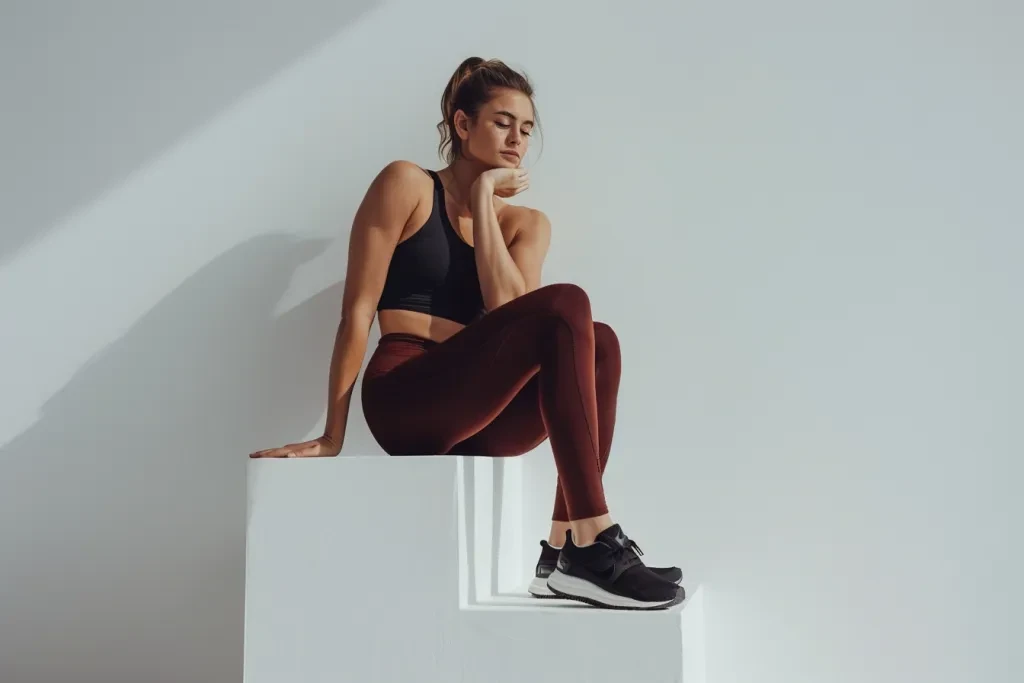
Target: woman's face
(500, 136)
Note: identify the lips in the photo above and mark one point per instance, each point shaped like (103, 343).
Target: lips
(510, 153)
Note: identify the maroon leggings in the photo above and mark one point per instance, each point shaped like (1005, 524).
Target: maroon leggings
(538, 367)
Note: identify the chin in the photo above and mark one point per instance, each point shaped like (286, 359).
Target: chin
(505, 162)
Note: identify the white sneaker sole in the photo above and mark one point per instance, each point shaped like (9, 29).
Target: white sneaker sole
(539, 588)
(575, 588)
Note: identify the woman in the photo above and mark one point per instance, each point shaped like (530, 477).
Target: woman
(476, 357)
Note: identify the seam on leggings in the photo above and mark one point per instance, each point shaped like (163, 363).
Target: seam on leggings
(579, 393)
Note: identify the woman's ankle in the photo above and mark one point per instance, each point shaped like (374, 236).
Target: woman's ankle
(585, 531)
(556, 539)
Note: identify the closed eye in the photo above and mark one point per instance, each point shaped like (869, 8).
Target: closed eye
(503, 126)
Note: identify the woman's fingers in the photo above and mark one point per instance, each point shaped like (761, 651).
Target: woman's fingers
(282, 452)
(322, 447)
(303, 451)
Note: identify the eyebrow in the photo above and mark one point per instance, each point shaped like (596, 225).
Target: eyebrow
(512, 116)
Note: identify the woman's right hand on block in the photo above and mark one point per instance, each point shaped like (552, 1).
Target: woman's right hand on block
(317, 448)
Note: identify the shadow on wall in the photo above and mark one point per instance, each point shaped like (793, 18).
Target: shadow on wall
(122, 507)
(497, 489)
(137, 77)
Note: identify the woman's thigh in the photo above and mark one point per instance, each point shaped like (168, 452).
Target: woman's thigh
(518, 429)
(452, 391)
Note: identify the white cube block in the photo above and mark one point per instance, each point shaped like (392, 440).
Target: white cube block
(378, 569)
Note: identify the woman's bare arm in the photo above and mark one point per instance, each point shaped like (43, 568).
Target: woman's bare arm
(382, 215)
(507, 272)
(529, 245)
(377, 227)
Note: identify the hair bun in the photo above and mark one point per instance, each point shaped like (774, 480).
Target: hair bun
(467, 69)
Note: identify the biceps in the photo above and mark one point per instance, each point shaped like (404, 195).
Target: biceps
(369, 252)
(376, 230)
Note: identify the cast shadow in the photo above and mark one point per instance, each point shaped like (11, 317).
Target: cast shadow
(124, 505)
(469, 488)
(498, 494)
(93, 91)
(497, 502)
(497, 517)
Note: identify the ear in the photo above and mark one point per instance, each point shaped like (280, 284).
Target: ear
(461, 122)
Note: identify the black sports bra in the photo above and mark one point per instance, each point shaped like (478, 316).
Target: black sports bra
(434, 271)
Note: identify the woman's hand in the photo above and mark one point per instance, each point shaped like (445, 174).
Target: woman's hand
(504, 182)
(317, 448)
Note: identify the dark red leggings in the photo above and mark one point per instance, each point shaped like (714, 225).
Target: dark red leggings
(538, 367)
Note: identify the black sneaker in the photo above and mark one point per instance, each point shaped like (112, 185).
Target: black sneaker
(608, 574)
(549, 558)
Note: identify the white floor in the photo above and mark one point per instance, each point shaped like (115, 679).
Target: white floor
(375, 569)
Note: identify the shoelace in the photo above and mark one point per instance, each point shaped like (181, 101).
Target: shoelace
(631, 544)
(621, 558)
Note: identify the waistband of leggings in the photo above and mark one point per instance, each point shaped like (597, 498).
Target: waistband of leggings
(406, 338)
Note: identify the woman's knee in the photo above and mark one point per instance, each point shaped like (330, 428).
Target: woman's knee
(566, 301)
(606, 345)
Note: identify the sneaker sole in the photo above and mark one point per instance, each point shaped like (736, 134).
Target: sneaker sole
(539, 588)
(574, 588)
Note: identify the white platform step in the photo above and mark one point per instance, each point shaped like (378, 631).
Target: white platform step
(413, 570)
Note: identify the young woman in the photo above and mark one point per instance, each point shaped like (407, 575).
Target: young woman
(476, 357)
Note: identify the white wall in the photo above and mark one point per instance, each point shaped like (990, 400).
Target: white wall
(807, 216)
(805, 223)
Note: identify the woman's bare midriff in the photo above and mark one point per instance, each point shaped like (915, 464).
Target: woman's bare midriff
(420, 324)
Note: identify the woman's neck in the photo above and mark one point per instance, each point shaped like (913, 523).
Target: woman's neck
(462, 173)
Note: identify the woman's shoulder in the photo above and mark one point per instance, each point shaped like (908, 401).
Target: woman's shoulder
(518, 212)
(403, 173)
(518, 217)
(400, 185)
